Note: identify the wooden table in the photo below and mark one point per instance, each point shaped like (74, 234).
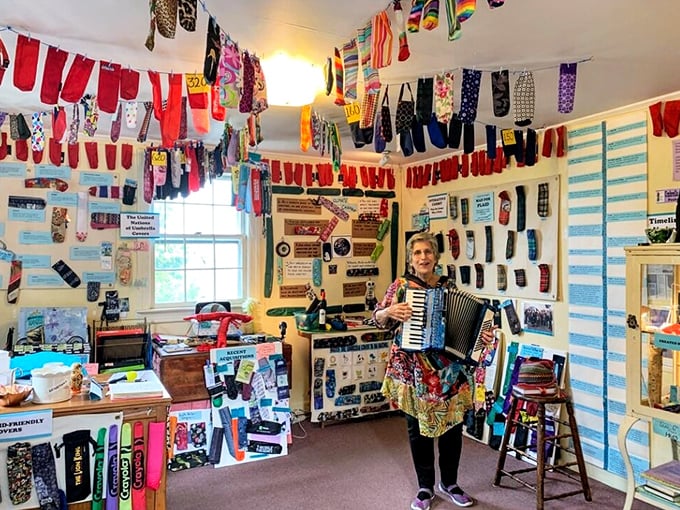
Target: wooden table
(182, 372)
(146, 410)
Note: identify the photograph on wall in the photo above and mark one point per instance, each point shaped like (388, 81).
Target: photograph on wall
(537, 317)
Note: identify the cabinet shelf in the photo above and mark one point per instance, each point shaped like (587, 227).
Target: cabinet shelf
(652, 361)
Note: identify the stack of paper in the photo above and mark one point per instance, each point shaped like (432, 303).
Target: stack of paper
(146, 384)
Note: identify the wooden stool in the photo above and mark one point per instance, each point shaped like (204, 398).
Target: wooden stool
(541, 441)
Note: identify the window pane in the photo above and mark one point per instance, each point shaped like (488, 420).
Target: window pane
(200, 254)
(229, 283)
(222, 191)
(227, 220)
(174, 219)
(169, 254)
(200, 285)
(198, 219)
(169, 287)
(228, 255)
(202, 196)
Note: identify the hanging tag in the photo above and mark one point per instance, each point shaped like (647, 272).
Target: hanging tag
(353, 112)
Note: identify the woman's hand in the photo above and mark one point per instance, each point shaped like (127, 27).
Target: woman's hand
(399, 311)
(489, 336)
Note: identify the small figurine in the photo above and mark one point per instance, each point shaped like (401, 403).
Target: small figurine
(76, 378)
(371, 300)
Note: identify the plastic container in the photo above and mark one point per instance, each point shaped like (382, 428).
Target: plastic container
(4, 361)
(307, 321)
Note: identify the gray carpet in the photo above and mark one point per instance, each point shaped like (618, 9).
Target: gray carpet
(362, 464)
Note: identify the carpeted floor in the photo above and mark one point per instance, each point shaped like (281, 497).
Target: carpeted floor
(362, 464)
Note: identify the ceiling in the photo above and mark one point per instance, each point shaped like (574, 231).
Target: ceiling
(631, 52)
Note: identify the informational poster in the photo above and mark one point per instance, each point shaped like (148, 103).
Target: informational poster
(607, 211)
(193, 429)
(139, 225)
(251, 410)
(482, 207)
(438, 206)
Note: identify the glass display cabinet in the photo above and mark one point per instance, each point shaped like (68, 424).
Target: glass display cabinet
(652, 364)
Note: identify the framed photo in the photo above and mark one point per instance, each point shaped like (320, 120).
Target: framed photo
(537, 317)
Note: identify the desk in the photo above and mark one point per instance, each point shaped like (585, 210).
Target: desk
(146, 410)
(182, 372)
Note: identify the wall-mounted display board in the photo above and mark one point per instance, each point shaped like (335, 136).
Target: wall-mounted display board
(501, 240)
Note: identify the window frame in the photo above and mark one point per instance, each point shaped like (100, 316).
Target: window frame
(242, 239)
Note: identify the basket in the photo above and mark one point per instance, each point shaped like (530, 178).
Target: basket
(307, 321)
(14, 394)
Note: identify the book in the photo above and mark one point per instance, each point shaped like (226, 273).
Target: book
(667, 489)
(661, 494)
(666, 476)
(145, 384)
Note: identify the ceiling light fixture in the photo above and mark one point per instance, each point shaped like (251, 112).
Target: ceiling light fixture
(291, 81)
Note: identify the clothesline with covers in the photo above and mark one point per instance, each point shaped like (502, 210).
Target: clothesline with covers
(117, 89)
(434, 103)
(492, 160)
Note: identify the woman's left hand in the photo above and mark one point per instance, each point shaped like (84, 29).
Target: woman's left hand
(489, 335)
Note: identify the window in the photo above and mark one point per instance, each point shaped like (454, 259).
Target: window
(200, 254)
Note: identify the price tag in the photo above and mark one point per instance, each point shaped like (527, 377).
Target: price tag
(353, 112)
(196, 84)
(508, 136)
(159, 158)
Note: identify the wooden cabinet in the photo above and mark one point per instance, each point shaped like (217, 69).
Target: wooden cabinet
(146, 410)
(182, 372)
(652, 363)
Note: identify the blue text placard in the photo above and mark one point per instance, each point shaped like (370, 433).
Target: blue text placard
(105, 207)
(13, 170)
(482, 208)
(45, 280)
(84, 252)
(35, 261)
(99, 276)
(95, 179)
(35, 237)
(29, 215)
(63, 199)
(53, 172)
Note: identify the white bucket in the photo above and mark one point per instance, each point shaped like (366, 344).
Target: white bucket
(51, 383)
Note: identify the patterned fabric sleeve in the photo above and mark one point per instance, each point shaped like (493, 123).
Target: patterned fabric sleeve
(385, 303)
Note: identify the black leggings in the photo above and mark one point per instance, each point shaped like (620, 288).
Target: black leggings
(422, 450)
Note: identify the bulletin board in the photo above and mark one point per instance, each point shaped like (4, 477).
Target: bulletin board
(475, 216)
(343, 246)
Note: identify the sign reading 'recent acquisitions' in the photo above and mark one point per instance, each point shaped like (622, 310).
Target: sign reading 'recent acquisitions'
(136, 225)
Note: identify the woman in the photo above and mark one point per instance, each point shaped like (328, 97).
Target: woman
(433, 390)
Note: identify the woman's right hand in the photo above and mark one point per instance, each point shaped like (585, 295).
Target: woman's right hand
(400, 312)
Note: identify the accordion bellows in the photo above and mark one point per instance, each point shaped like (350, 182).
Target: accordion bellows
(536, 373)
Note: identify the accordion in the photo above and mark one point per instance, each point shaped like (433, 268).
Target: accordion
(447, 319)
